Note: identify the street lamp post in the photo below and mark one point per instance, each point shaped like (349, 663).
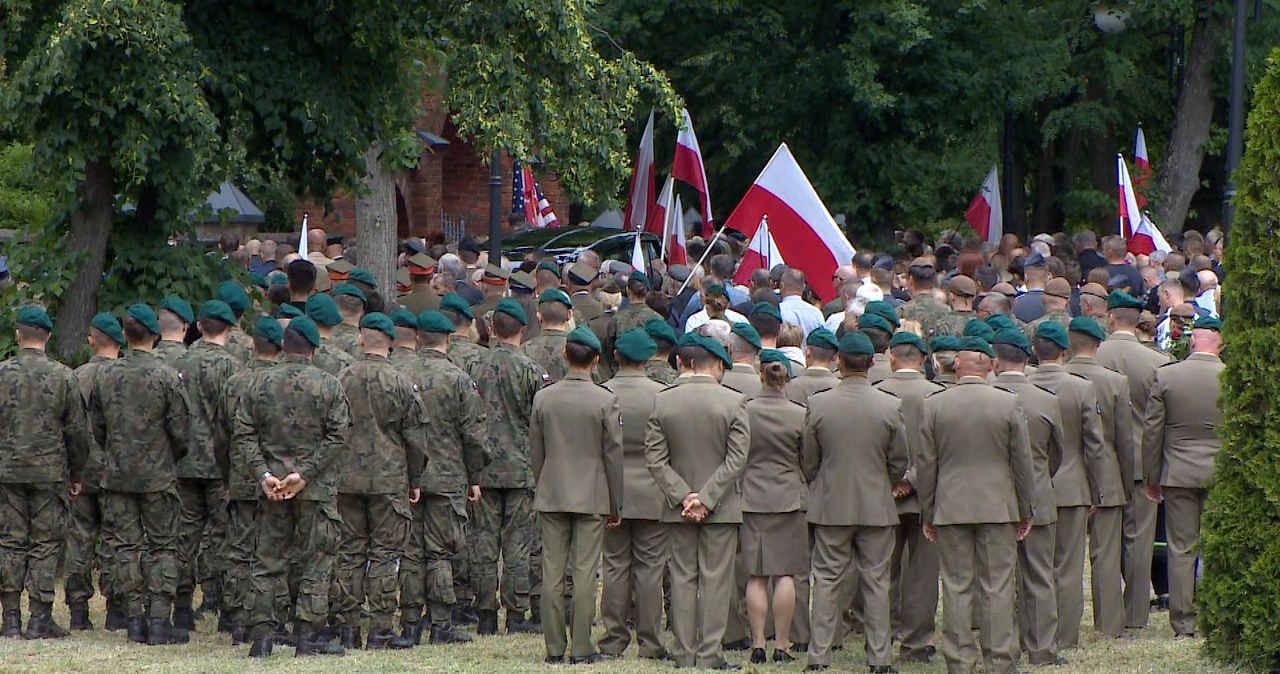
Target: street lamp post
(1235, 137)
(495, 207)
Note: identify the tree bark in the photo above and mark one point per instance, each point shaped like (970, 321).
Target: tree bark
(1180, 172)
(376, 222)
(87, 243)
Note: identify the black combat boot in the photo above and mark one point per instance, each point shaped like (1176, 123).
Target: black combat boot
(349, 637)
(80, 617)
(261, 647)
(116, 619)
(488, 623)
(305, 636)
(161, 633)
(41, 626)
(184, 618)
(281, 637)
(12, 624)
(240, 635)
(448, 634)
(137, 629)
(464, 613)
(210, 601)
(516, 624)
(381, 640)
(410, 636)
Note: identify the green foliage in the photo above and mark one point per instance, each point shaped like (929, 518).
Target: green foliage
(1240, 608)
(24, 204)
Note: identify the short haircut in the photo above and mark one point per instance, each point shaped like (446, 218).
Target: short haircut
(302, 276)
(277, 294)
(855, 362)
(135, 332)
(228, 243)
(721, 266)
(33, 332)
(1113, 247)
(265, 347)
(505, 325)
(624, 361)
(578, 355)
(768, 326)
(660, 303)
(1126, 316)
(879, 339)
(695, 357)
(375, 338)
(820, 353)
(1047, 349)
(212, 327)
(169, 321)
(1081, 342)
(432, 339)
(1085, 240)
(458, 319)
(1010, 353)
(637, 288)
(923, 278)
(349, 306)
(907, 353)
(740, 346)
(553, 312)
(295, 342)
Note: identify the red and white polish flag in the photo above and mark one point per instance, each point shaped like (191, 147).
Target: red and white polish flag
(1140, 234)
(762, 253)
(985, 213)
(688, 168)
(1142, 164)
(642, 192)
(667, 211)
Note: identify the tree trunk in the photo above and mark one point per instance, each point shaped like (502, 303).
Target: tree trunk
(90, 229)
(376, 222)
(1180, 173)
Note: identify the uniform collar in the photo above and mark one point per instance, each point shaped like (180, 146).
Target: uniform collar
(630, 373)
(697, 379)
(553, 332)
(1082, 360)
(966, 381)
(744, 367)
(854, 380)
(907, 374)
(769, 393)
(1122, 336)
(294, 358)
(1049, 367)
(373, 356)
(1207, 357)
(1011, 376)
(577, 376)
(433, 354)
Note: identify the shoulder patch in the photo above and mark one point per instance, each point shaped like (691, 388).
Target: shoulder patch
(546, 378)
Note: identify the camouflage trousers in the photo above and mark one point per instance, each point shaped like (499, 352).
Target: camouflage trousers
(237, 552)
(85, 525)
(299, 533)
(373, 533)
(32, 526)
(426, 574)
(144, 528)
(503, 528)
(204, 505)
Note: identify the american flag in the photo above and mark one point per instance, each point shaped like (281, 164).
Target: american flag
(527, 198)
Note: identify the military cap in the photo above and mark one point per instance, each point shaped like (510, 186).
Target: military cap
(1058, 287)
(584, 336)
(376, 320)
(234, 295)
(363, 276)
(712, 346)
(679, 272)
(469, 244)
(307, 328)
(1005, 289)
(823, 339)
(259, 280)
(657, 329)
(1000, 322)
(288, 311)
(431, 320)
(1094, 289)
(217, 310)
(335, 239)
(884, 310)
(339, 270)
(977, 344)
(963, 285)
(715, 289)
(1054, 332)
(1087, 326)
(323, 310)
(548, 265)
(855, 342)
(1013, 337)
(776, 356)
(921, 262)
(746, 332)
(582, 273)
(269, 329)
(1207, 323)
(404, 282)
(421, 264)
(456, 302)
(351, 290)
(907, 337)
(495, 274)
(1119, 299)
(513, 309)
(767, 309)
(145, 316)
(944, 343)
(641, 277)
(36, 317)
(323, 284)
(555, 295)
(523, 281)
(977, 327)
(883, 262)
(109, 326)
(404, 318)
(179, 307)
(869, 321)
(636, 344)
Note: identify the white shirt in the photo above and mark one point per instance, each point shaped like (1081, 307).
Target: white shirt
(796, 311)
(701, 318)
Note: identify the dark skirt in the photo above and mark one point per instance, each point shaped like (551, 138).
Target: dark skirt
(775, 544)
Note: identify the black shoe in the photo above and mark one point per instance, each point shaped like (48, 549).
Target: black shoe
(883, 669)
(739, 645)
(487, 623)
(758, 657)
(1160, 603)
(553, 660)
(116, 620)
(184, 618)
(464, 614)
(727, 667)
(12, 624)
(924, 655)
(381, 640)
(800, 647)
(660, 657)
(240, 635)
(225, 624)
(281, 637)
(161, 633)
(585, 659)
(307, 643)
(782, 656)
(448, 634)
(261, 647)
(518, 625)
(210, 603)
(41, 626)
(137, 630)
(817, 668)
(410, 636)
(80, 618)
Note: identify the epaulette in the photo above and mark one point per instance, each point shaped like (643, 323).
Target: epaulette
(1044, 389)
(941, 386)
(888, 393)
(1172, 362)
(1077, 375)
(1002, 388)
(944, 389)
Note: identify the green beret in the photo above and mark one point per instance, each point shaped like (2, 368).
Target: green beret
(906, 337)
(178, 307)
(715, 289)
(269, 329)
(217, 310)
(307, 328)
(775, 356)
(548, 265)
(636, 344)
(657, 329)
(868, 321)
(513, 309)
(1013, 337)
(1000, 322)
(1054, 332)
(403, 318)
(555, 295)
(278, 277)
(766, 309)
(977, 344)
(746, 332)
(234, 295)
(641, 277)
(323, 310)
(362, 275)
(944, 343)
(1207, 323)
(287, 310)
(144, 315)
(856, 342)
(456, 302)
(351, 290)
(1119, 299)
(883, 310)
(1087, 326)
(712, 346)
(431, 320)
(109, 326)
(584, 336)
(259, 280)
(979, 328)
(823, 339)
(34, 316)
(376, 320)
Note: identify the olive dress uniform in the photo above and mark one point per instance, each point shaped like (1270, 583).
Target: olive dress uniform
(774, 538)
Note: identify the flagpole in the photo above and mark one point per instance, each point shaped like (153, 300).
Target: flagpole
(702, 259)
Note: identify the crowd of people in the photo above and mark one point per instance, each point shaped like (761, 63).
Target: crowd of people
(371, 466)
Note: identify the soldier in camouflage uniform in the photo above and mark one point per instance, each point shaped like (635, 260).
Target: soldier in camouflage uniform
(923, 308)
(139, 415)
(507, 380)
(960, 293)
(378, 481)
(105, 339)
(547, 349)
(1056, 299)
(457, 452)
(351, 303)
(328, 357)
(174, 316)
(239, 343)
(404, 352)
(45, 440)
(243, 492)
(205, 369)
(290, 427)
(634, 315)
(658, 367)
